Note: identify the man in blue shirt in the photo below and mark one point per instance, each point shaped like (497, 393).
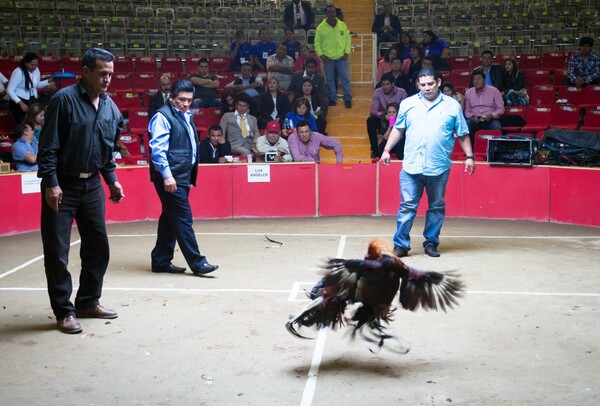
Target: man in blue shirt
(429, 120)
(25, 149)
(262, 50)
(173, 170)
(240, 52)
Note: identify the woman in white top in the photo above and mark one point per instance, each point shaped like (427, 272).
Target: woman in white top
(23, 84)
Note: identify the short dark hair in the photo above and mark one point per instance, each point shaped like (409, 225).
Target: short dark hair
(586, 41)
(429, 72)
(20, 130)
(302, 123)
(388, 77)
(182, 85)
(243, 97)
(93, 54)
(246, 64)
(310, 60)
(478, 72)
(214, 127)
(202, 60)
(430, 59)
(487, 51)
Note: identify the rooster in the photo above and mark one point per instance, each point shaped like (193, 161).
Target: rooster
(373, 282)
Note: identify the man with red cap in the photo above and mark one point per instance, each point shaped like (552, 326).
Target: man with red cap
(272, 146)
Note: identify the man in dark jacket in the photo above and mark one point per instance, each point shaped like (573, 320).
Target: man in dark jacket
(493, 71)
(175, 155)
(386, 25)
(299, 14)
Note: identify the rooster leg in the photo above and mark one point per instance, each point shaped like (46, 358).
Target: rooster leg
(394, 342)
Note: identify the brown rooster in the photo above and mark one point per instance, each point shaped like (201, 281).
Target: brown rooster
(373, 282)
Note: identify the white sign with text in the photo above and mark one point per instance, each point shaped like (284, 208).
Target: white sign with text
(30, 183)
(259, 173)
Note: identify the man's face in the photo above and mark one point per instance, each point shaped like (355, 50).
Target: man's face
(165, 85)
(585, 49)
(289, 35)
(330, 13)
(281, 51)
(203, 68)
(387, 86)
(272, 137)
(387, 8)
(183, 101)
(304, 133)
(264, 35)
(246, 71)
(97, 80)
(311, 68)
(396, 65)
(478, 82)
(429, 87)
(28, 133)
(426, 63)
(241, 107)
(486, 60)
(214, 136)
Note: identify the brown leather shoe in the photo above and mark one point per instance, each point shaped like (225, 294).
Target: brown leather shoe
(69, 324)
(97, 312)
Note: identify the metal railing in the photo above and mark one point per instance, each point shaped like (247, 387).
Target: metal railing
(362, 44)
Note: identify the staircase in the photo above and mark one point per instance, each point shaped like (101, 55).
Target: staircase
(349, 125)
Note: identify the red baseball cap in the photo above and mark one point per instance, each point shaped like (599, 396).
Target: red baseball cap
(273, 126)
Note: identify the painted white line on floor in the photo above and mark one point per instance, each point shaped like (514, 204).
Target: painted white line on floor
(31, 261)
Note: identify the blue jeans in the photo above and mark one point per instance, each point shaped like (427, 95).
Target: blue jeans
(411, 190)
(341, 67)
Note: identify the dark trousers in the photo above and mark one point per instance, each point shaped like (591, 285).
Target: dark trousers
(476, 126)
(373, 127)
(16, 110)
(82, 201)
(175, 225)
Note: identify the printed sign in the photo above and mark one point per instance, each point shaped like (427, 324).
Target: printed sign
(259, 173)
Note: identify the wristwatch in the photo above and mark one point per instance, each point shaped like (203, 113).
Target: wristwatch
(471, 157)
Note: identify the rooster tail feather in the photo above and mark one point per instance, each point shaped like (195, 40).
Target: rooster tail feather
(431, 290)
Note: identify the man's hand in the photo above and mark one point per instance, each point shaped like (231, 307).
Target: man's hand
(170, 185)
(385, 158)
(470, 166)
(344, 57)
(116, 192)
(53, 197)
(324, 59)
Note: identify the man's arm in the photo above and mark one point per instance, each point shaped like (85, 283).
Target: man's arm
(212, 82)
(296, 151)
(331, 143)
(49, 144)
(498, 104)
(375, 105)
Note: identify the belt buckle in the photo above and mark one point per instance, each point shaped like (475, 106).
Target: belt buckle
(85, 175)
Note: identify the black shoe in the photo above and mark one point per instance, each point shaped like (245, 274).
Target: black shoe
(374, 155)
(332, 103)
(400, 252)
(348, 104)
(169, 269)
(431, 250)
(204, 269)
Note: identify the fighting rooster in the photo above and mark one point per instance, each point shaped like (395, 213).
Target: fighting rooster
(373, 282)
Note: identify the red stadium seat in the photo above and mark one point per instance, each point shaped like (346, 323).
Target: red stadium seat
(6, 149)
(120, 82)
(530, 61)
(7, 122)
(520, 111)
(572, 94)
(457, 153)
(126, 99)
(71, 64)
(172, 64)
(535, 77)
(218, 63)
(542, 95)
(7, 65)
(124, 64)
(138, 120)
(460, 62)
(564, 116)
(50, 65)
(143, 81)
(538, 119)
(558, 76)
(460, 78)
(481, 142)
(554, 60)
(591, 119)
(145, 64)
(205, 118)
(591, 96)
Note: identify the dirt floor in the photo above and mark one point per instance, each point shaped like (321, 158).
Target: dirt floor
(526, 333)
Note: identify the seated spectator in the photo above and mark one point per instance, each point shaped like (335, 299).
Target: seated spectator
(303, 56)
(161, 97)
(400, 79)
(271, 147)
(483, 106)
(437, 49)
(25, 149)
(406, 42)
(205, 86)
(318, 106)
(448, 90)
(382, 97)
(4, 98)
(300, 112)
(240, 52)
(492, 71)
(214, 148)
(426, 62)
(262, 50)
(23, 85)
(281, 66)
(299, 15)
(385, 65)
(387, 124)
(305, 145)
(514, 92)
(293, 46)
(309, 72)
(239, 127)
(35, 118)
(247, 83)
(386, 25)
(273, 104)
(228, 96)
(412, 65)
(584, 65)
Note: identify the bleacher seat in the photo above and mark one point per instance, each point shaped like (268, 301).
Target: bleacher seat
(535, 77)
(218, 64)
(143, 81)
(172, 64)
(126, 99)
(138, 120)
(124, 64)
(538, 119)
(572, 94)
(460, 78)
(460, 62)
(554, 60)
(591, 119)
(591, 96)
(146, 64)
(49, 65)
(71, 64)
(565, 117)
(520, 111)
(530, 61)
(120, 81)
(7, 122)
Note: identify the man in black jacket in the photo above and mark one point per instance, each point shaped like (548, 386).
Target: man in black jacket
(76, 147)
(299, 14)
(493, 71)
(175, 155)
(161, 97)
(386, 25)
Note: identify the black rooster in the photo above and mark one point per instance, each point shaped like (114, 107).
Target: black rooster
(373, 282)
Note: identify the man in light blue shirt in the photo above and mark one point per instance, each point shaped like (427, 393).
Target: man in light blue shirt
(25, 149)
(429, 121)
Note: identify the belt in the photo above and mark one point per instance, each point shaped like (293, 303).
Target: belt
(85, 175)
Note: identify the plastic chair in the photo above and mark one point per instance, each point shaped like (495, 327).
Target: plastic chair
(126, 99)
(564, 116)
(50, 64)
(520, 111)
(121, 82)
(460, 62)
(71, 64)
(124, 64)
(218, 63)
(572, 94)
(591, 96)
(481, 141)
(142, 81)
(171, 64)
(530, 61)
(591, 119)
(554, 60)
(460, 78)
(543, 95)
(535, 77)
(538, 119)
(138, 120)
(558, 76)
(146, 64)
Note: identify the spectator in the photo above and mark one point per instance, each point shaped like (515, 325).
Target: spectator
(240, 52)
(400, 79)
(332, 42)
(293, 46)
(483, 105)
(305, 145)
(228, 96)
(385, 65)
(299, 15)
(386, 25)
(309, 72)
(281, 66)
(514, 92)
(406, 42)
(214, 148)
(262, 50)
(25, 149)
(240, 128)
(300, 112)
(386, 94)
(23, 85)
(4, 98)
(492, 71)
(205, 86)
(161, 97)
(412, 65)
(316, 110)
(436, 48)
(271, 147)
(448, 90)
(584, 65)
(247, 83)
(426, 62)
(273, 105)
(35, 118)
(387, 125)
(303, 57)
